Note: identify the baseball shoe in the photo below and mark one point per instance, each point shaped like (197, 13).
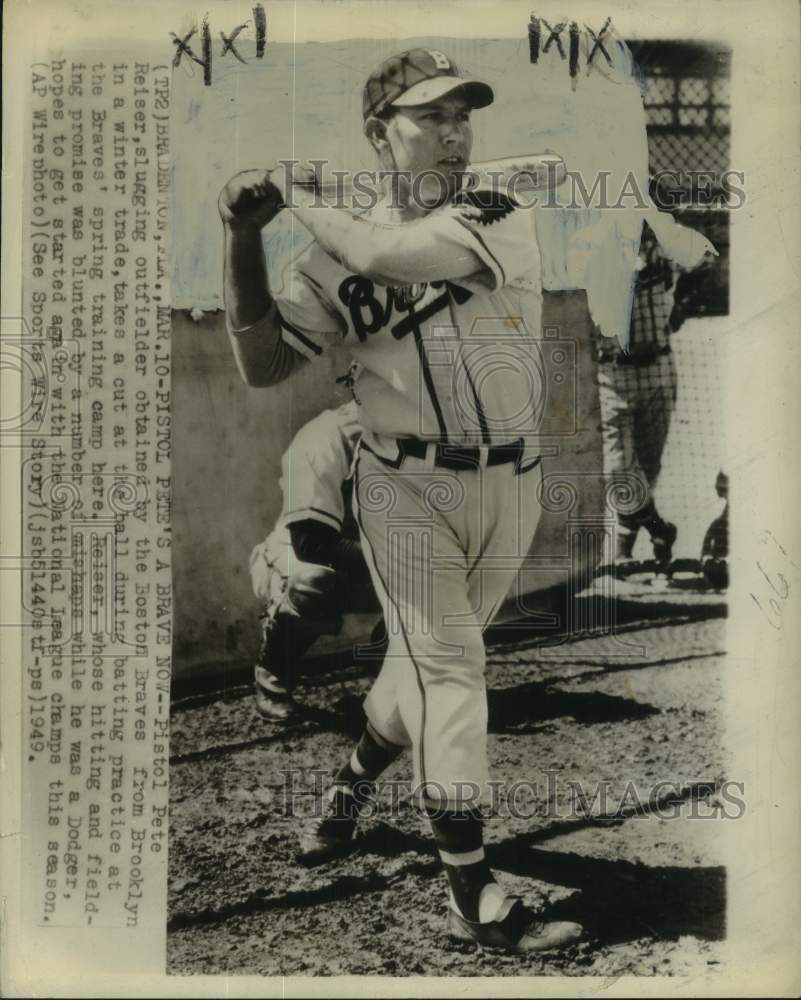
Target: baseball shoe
(517, 930)
(663, 543)
(330, 835)
(273, 701)
(716, 573)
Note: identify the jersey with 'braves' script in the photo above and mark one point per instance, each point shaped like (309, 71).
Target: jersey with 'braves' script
(453, 362)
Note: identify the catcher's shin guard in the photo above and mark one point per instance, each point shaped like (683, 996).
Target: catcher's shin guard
(306, 608)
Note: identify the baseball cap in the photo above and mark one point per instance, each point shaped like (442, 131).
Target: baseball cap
(419, 76)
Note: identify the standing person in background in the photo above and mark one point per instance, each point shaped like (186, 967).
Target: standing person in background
(638, 395)
(715, 549)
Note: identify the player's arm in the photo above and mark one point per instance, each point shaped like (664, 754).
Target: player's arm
(423, 250)
(246, 204)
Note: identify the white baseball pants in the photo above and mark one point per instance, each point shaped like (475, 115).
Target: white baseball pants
(443, 548)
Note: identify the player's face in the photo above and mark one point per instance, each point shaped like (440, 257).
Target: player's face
(432, 138)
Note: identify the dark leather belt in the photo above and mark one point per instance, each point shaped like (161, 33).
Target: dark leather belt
(457, 457)
(638, 361)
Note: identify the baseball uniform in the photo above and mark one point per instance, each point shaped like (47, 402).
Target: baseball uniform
(441, 314)
(313, 471)
(300, 571)
(450, 392)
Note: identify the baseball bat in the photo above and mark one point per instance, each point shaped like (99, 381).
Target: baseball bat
(534, 171)
(525, 173)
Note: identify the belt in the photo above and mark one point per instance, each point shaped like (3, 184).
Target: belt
(638, 361)
(457, 457)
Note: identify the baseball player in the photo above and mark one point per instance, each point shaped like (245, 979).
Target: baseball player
(300, 569)
(638, 394)
(436, 293)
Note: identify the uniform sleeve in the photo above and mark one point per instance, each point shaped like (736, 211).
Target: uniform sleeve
(309, 322)
(313, 469)
(500, 233)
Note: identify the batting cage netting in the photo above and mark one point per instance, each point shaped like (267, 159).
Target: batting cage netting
(669, 400)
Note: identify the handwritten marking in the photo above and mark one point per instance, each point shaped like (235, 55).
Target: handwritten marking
(776, 582)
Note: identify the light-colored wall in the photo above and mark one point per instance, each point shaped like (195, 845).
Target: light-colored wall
(227, 446)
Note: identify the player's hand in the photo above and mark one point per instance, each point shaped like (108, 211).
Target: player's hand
(251, 198)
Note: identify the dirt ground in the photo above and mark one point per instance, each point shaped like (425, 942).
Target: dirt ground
(639, 869)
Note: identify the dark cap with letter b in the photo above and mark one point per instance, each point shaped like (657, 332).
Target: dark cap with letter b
(419, 76)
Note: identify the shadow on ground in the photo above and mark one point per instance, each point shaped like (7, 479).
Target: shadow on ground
(617, 901)
(620, 900)
(586, 616)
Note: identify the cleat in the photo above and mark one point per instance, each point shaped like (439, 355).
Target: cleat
(331, 835)
(517, 931)
(322, 842)
(273, 702)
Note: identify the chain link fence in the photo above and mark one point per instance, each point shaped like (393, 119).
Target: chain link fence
(663, 418)
(687, 101)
